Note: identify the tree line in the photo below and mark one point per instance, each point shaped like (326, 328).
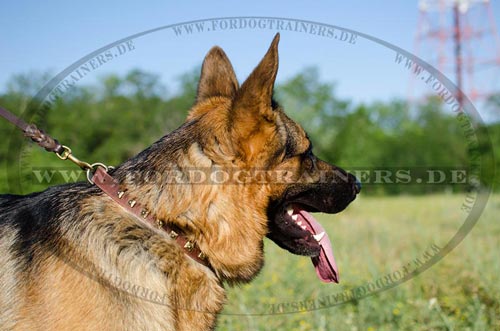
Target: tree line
(391, 144)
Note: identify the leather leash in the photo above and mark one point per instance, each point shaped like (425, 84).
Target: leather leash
(31, 131)
(97, 174)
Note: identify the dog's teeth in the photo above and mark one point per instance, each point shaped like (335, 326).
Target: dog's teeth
(290, 211)
(295, 217)
(299, 222)
(319, 236)
(303, 227)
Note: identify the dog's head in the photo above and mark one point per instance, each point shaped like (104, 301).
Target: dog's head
(271, 179)
(247, 130)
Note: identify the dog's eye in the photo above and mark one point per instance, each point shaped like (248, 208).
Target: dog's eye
(289, 150)
(309, 152)
(308, 159)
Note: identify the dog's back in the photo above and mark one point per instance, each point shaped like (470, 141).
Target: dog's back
(13, 214)
(25, 225)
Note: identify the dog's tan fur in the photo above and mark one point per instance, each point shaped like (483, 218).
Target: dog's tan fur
(76, 274)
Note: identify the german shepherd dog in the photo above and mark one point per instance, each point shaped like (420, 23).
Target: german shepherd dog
(71, 256)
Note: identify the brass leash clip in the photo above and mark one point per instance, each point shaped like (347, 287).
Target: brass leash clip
(66, 154)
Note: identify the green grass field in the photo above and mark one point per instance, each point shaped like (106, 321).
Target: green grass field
(374, 237)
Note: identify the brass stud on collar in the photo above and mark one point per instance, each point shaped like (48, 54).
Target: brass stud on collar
(173, 234)
(144, 213)
(159, 223)
(202, 256)
(120, 194)
(189, 246)
(132, 203)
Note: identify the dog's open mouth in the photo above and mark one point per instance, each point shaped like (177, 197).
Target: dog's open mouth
(296, 230)
(324, 263)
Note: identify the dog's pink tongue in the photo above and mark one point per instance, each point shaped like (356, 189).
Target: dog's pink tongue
(325, 265)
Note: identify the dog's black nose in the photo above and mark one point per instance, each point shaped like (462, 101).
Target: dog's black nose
(357, 185)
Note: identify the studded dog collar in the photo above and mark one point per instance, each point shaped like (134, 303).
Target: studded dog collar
(112, 188)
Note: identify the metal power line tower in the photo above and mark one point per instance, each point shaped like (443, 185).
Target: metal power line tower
(460, 39)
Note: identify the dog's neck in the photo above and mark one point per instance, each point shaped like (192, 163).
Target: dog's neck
(216, 225)
(134, 207)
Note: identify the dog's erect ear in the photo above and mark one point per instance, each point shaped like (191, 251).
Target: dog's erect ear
(253, 118)
(256, 92)
(217, 76)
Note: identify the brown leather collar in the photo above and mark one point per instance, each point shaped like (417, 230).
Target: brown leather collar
(112, 188)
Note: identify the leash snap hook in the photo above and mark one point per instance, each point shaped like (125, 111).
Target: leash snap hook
(90, 169)
(66, 154)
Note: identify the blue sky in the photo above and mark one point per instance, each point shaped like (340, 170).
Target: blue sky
(52, 35)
